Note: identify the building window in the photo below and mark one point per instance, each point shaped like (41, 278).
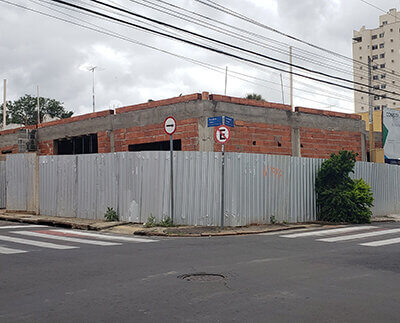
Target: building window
(375, 67)
(374, 47)
(375, 77)
(156, 146)
(381, 35)
(382, 55)
(374, 57)
(391, 40)
(383, 96)
(384, 107)
(391, 30)
(374, 36)
(361, 78)
(376, 97)
(383, 65)
(392, 60)
(76, 145)
(384, 23)
(382, 45)
(360, 58)
(360, 47)
(377, 107)
(362, 98)
(362, 108)
(383, 86)
(383, 76)
(376, 87)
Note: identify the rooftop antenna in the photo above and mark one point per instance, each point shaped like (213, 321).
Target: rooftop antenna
(92, 69)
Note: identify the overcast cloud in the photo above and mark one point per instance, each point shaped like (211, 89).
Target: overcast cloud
(38, 50)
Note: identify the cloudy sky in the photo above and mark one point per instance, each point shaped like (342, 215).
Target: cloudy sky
(40, 50)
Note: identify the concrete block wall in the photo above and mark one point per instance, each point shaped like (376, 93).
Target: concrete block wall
(260, 127)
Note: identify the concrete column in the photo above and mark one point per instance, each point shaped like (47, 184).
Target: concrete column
(296, 148)
(112, 141)
(363, 147)
(206, 136)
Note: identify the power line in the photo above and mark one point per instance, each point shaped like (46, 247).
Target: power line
(231, 12)
(116, 35)
(212, 40)
(213, 49)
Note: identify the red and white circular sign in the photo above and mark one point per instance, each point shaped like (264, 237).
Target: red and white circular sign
(170, 125)
(222, 134)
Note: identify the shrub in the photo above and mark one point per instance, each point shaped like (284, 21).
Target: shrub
(340, 198)
(111, 215)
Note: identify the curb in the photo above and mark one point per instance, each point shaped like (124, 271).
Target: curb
(214, 234)
(60, 223)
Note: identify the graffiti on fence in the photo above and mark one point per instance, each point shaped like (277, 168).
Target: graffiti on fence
(272, 171)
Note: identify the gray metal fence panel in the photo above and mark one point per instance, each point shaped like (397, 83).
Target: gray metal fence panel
(302, 193)
(21, 182)
(257, 188)
(3, 185)
(197, 187)
(385, 182)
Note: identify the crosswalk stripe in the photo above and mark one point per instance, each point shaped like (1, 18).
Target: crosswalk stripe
(360, 235)
(9, 251)
(104, 236)
(381, 242)
(35, 243)
(78, 240)
(22, 226)
(327, 232)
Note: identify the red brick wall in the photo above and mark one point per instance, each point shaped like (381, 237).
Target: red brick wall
(13, 148)
(187, 131)
(320, 143)
(46, 147)
(103, 142)
(259, 138)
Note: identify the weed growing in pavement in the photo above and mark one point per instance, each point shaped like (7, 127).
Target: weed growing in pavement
(111, 215)
(272, 219)
(151, 222)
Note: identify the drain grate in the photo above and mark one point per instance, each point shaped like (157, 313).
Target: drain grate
(202, 277)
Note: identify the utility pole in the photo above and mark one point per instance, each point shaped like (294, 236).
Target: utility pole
(38, 105)
(92, 69)
(226, 79)
(5, 105)
(283, 93)
(371, 113)
(291, 76)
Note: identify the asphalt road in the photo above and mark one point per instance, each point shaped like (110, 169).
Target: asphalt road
(268, 278)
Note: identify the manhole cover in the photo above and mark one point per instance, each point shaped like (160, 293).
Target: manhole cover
(202, 277)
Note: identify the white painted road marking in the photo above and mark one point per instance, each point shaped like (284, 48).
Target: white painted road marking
(49, 236)
(22, 226)
(327, 232)
(381, 242)
(35, 243)
(105, 237)
(9, 251)
(360, 235)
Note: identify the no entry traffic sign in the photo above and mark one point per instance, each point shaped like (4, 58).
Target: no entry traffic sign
(222, 134)
(170, 125)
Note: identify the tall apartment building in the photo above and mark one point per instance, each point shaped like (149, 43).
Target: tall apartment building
(382, 45)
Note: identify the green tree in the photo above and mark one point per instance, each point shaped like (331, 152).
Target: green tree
(339, 197)
(24, 110)
(254, 96)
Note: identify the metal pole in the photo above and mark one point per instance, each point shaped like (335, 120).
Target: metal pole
(371, 113)
(171, 152)
(38, 105)
(94, 105)
(226, 79)
(5, 105)
(291, 76)
(222, 186)
(283, 93)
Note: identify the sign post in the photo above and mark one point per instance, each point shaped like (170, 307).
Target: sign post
(170, 128)
(222, 135)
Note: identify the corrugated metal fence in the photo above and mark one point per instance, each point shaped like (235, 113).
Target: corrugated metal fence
(258, 188)
(3, 184)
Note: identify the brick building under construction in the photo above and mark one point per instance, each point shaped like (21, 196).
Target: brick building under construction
(260, 127)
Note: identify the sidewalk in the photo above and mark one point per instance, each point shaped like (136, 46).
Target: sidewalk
(179, 231)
